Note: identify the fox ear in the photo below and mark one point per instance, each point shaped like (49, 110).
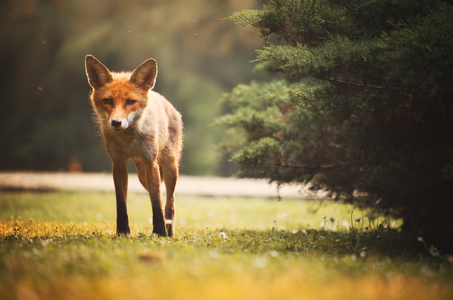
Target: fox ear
(144, 76)
(98, 74)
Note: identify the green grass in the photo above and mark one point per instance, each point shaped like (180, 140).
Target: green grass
(63, 246)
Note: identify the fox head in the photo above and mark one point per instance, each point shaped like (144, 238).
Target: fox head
(119, 98)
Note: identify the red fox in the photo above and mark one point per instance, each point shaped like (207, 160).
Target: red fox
(138, 124)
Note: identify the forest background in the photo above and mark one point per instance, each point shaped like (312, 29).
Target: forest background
(46, 118)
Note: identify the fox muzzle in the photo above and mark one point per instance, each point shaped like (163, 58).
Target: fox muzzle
(118, 124)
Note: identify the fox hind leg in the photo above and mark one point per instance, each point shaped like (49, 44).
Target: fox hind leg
(170, 176)
(153, 183)
(149, 174)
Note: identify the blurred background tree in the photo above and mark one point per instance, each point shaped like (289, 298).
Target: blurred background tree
(45, 115)
(363, 109)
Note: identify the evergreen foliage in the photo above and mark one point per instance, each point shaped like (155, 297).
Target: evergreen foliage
(364, 105)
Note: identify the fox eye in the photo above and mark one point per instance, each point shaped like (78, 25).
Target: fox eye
(107, 101)
(130, 102)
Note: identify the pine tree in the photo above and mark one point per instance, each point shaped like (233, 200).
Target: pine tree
(364, 104)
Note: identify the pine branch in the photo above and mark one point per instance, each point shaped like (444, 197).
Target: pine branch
(359, 83)
(304, 166)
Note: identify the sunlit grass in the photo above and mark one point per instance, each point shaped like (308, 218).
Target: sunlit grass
(63, 246)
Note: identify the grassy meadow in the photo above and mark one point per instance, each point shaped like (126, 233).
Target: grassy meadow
(62, 245)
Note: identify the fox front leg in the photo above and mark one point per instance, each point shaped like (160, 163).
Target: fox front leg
(120, 180)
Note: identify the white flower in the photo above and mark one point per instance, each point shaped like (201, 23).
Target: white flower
(44, 243)
(223, 235)
(345, 224)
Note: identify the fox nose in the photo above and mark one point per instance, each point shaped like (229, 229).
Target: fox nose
(116, 123)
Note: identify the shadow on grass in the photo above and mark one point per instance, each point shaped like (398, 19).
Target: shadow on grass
(383, 242)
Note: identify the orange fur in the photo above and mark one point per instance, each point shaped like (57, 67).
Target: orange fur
(138, 124)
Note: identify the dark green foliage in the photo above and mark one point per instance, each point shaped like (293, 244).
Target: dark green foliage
(366, 104)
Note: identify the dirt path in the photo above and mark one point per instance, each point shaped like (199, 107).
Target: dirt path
(187, 185)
